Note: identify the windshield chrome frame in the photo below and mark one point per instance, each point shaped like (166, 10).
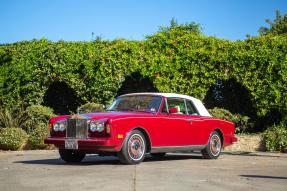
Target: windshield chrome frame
(121, 96)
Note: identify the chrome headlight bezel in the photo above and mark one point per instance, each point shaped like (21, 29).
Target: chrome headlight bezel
(59, 126)
(56, 127)
(97, 126)
(101, 127)
(62, 127)
(93, 127)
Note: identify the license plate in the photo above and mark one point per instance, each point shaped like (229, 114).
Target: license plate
(71, 144)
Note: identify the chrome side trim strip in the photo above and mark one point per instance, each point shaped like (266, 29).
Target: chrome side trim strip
(177, 148)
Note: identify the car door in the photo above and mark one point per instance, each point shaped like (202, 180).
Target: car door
(177, 126)
(197, 130)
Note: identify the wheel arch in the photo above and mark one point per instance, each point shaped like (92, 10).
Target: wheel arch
(219, 131)
(147, 137)
(144, 132)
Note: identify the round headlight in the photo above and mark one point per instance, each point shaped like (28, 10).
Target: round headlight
(56, 127)
(62, 127)
(93, 127)
(100, 127)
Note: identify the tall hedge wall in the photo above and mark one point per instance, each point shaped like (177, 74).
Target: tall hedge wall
(174, 60)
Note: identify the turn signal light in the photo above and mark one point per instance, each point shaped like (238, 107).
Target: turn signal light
(108, 128)
(120, 136)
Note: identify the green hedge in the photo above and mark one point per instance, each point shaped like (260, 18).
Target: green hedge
(175, 59)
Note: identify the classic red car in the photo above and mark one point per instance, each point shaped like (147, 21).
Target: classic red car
(140, 123)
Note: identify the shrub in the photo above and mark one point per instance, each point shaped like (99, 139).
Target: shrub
(30, 118)
(276, 137)
(241, 122)
(12, 138)
(13, 117)
(14, 120)
(38, 116)
(37, 136)
(91, 107)
(222, 114)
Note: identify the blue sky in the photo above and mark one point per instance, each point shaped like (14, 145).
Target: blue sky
(76, 20)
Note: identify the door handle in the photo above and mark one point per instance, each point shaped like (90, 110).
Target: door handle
(189, 120)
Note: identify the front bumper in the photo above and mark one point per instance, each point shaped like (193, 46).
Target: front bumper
(88, 144)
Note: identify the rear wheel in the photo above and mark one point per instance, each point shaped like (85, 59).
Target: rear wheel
(134, 148)
(71, 156)
(213, 148)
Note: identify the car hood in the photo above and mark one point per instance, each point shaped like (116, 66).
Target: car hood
(102, 115)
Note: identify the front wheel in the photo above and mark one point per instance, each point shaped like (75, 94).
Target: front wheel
(213, 148)
(134, 148)
(71, 156)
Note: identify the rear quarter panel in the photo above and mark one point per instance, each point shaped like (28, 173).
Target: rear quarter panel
(225, 127)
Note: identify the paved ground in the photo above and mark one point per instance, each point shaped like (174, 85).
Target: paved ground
(42, 170)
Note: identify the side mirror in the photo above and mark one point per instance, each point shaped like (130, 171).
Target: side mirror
(173, 110)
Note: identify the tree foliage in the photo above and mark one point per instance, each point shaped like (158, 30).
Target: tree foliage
(278, 26)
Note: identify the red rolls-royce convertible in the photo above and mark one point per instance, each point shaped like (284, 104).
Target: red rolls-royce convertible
(140, 123)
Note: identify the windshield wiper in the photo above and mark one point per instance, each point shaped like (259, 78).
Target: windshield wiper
(121, 110)
(145, 111)
(135, 110)
(129, 110)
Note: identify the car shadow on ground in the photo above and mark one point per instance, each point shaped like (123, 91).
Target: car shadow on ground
(256, 154)
(264, 177)
(108, 160)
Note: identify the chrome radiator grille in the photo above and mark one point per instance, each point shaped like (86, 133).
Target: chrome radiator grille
(77, 128)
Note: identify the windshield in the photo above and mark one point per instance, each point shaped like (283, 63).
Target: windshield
(142, 103)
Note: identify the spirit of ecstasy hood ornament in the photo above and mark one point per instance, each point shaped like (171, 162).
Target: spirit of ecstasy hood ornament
(77, 116)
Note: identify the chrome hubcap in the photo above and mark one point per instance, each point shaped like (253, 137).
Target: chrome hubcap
(215, 145)
(136, 147)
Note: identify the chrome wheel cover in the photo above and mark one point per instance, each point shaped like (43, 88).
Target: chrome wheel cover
(215, 145)
(136, 147)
